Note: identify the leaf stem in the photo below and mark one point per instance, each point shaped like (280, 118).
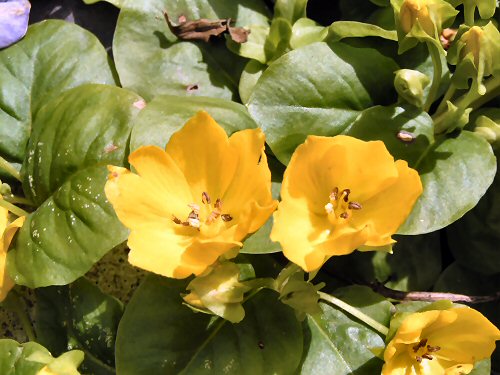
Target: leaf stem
(12, 208)
(355, 312)
(7, 167)
(447, 96)
(436, 76)
(18, 200)
(17, 304)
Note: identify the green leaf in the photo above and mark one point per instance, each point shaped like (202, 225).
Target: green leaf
(388, 123)
(474, 238)
(259, 242)
(74, 137)
(160, 335)
(53, 57)
(456, 171)
(152, 61)
(414, 265)
(305, 31)
(253, 48)
(335, 341)
(165, 115)
(352, 29)
(317, 89)
(278, 40)
(290, 10)
(79, 316)
(30, 357)
(116, 3)
(249, 77)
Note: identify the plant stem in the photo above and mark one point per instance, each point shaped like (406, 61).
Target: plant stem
(18, 200)
(7, 167)
(14, 209)
(447, 96)
(355, 312)
(17, 304)
(436, 76)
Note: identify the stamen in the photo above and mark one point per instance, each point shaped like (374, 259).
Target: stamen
(218, 204)
(355, 206)
(419, 359)
(427, 356)
(421, 344)
(176, 220)
(345, 193)
(195, 223)
(433, 349)
(334, 194)
(344, 215)
(194, 207)
(226, 217)
(205, 198)
(214, 215)
(329, 208)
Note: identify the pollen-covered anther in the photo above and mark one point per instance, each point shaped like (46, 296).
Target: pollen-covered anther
(427, 356)
(226, 217)
(433, 349)
(194, 207)
(421, 344)
(193, 220)
(205, 198)
(345, 195)
(329, 208)
(334, 194)
(344, 215)
(354, 206)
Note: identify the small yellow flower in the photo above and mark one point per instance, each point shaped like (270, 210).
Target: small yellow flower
(7, 231)
(413, 11)
(339, 194)
(194, 202)
(435, 342)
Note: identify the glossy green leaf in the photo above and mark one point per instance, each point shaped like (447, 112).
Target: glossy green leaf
(305, 31)
(253, 48)
(167, 114)
(249, 77)
(278, 40)
(53, 57)
(291, 10)
(158, 334)
(74, 137)
(406, 131)
(317, 89)
(30, 357)
(151, 60)
(458, 279)
(337, 343)
(415, 264)
(456, 171)
(352, 29)
(82, 317)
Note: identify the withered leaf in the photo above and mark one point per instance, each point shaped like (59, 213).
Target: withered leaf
(203, 29)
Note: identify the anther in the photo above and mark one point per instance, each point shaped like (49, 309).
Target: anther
(421, 344)
(214, 215)
(418, 358)
(218, 204)
(334, 194)
(345, 193)
(433, 349)
(427, 356)
(226, 217)
(205, 198)
(344, 215)
(329, 208)
(176, 220)
(354, 206)
(194, 207)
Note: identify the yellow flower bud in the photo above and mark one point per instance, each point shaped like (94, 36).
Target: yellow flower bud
(472, 41)
(416, 10)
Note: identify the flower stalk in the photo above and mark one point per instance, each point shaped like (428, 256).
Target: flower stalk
(7, 167)
(437, 73)
(12, 208)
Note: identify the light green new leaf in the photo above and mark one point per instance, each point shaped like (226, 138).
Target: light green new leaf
(116, 3)
(318, 89)
(352, 29)
(456, 171)
(53, 57)
(166, 114)
(74, 137)
(152, 61)
(30, 357)
(291, 10)
(336, 343)
(158, 334)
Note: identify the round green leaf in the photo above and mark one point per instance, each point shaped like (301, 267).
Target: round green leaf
(337, 343)
(74, 137)
(53, 57)
(152, 61)
(317, 89)
(456, 171)
(165, 115)
(158, 334)
(388, 124)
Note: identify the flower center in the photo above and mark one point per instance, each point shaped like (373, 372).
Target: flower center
(423, 350)
(340, 206)
(214, 213)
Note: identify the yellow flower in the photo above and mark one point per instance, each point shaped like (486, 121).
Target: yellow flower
(339, 194)
(413, 11)
(440, 342)
(8, 231)
(194, 202)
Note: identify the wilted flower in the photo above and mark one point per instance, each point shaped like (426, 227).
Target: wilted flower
(219, 292)
(339, 194)
(14, 15)
(440, 342)
(194, 202)
(8, 231)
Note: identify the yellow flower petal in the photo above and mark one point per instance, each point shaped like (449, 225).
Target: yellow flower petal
(6, 283)
(199, 149)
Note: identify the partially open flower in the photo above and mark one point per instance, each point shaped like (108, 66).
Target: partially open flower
(7, 232)
(339, 194)
(440, 342)
(194, 202)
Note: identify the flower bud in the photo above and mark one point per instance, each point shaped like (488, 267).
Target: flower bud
(489, 130)
(219, 292)
(410, 86)
(413, 11)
